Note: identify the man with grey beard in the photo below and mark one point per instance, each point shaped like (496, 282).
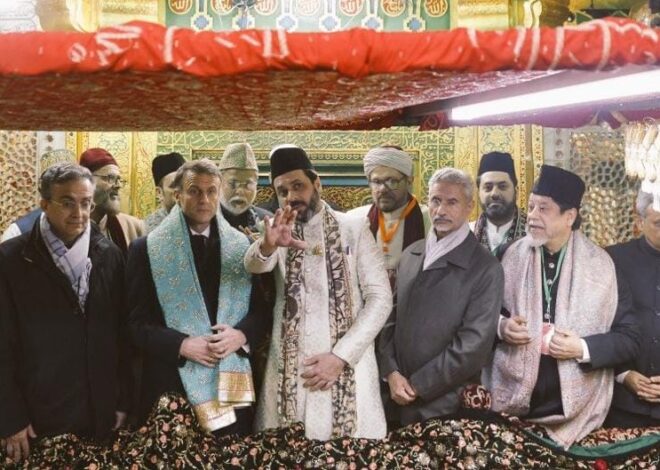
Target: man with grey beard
(333, 297)
(568, 322)
(121, 228)
(501, 221)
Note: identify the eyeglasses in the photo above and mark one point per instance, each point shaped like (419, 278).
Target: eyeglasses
(70, 206)
(234, 185)
(114, 180)
(390, 183)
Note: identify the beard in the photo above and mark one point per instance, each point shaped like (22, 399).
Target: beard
(108, 202)
(535, 242)
(499, 211)
(307, 211)
(235, 205)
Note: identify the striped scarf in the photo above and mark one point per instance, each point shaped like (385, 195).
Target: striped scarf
(74, 262)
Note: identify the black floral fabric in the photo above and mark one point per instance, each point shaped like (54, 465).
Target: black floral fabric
(173, 439)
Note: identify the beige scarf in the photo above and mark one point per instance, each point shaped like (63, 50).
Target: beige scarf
(586, 304)
(344, 412)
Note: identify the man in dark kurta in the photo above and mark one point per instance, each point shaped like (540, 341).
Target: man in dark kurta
(63, 344)
(166, 349)
(636, 401)
(449, 295)
(501, 221)
(564, 327)
(238, 189)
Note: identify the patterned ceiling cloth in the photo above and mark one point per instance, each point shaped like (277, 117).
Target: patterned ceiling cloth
(142, 76)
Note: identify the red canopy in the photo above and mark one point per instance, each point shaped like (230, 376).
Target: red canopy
(143, 76)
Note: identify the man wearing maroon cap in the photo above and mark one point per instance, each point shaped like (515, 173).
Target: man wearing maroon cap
(121, 228)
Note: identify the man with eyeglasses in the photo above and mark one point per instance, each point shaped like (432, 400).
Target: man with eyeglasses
(121, 228)
(501, 221)
(163, 169)
(395, 218)
(25, 223)
(191, 307)
(63, 344)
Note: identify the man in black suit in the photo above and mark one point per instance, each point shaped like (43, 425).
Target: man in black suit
(173, 348)
(636, 401)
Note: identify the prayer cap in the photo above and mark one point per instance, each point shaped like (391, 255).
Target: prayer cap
(239, 156)
(165, 164)
(286, 158)
(498, 161)
(561, 185)
(391, 157)
(96, 158)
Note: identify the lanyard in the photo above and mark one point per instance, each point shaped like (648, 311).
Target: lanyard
(547, 289)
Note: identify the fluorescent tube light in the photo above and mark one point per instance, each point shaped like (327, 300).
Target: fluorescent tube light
(625, 86)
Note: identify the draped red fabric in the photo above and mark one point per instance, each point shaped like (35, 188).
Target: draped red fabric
(145, 76)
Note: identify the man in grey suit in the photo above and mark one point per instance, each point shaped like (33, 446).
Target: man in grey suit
(449, 291)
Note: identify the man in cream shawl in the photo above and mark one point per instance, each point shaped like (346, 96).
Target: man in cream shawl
(333, 297)
(566, 326)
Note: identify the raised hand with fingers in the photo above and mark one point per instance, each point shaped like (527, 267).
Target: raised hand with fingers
(279, 233)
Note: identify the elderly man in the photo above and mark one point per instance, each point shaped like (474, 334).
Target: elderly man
(395, 218)
(636, 401)
(163, 169)
(63, 345)
(121, 228)
(449, 291)
(567, 326)
(501, 221)
(333, 297)
(238, 188)
(190, 307)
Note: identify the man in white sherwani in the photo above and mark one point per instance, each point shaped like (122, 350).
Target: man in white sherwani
(333, 298)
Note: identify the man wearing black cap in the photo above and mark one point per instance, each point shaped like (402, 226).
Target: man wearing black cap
(501, 221)
(163, 169)
(333, 297)
(567, 326)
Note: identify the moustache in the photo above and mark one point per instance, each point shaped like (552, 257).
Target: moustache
(441, 220)
(238, 200)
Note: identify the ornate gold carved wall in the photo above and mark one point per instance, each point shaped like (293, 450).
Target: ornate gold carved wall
(608, 207)
(18, 175)
(459, 147)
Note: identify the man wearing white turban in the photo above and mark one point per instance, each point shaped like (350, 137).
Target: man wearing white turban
(395, 218)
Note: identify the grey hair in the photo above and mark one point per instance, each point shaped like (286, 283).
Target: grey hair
(198, 167)
(644, 200)
(454, 176)
(60, 173)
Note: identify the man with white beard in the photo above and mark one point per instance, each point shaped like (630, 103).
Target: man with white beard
(238, 188)
(565, 326)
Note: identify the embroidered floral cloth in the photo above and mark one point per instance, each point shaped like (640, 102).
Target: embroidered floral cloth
(173, 439)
